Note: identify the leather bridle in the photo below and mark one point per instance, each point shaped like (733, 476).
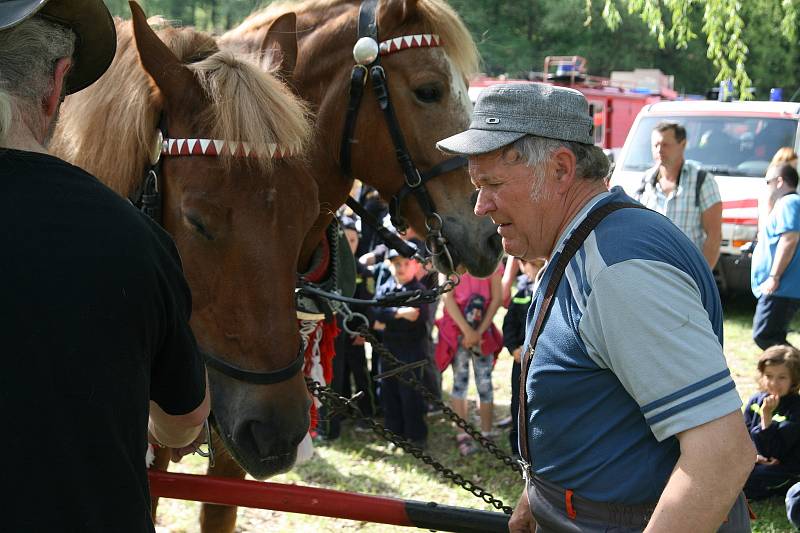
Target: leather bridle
(149, 201)
(367, 53)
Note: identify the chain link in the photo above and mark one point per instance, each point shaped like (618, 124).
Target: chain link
(413, 382)
(339, 405)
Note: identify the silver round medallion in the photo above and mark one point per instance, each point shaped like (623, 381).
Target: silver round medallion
(365, 51)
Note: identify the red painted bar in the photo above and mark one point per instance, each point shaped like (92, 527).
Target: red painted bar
(279, 497)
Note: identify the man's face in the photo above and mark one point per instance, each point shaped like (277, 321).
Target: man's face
(666, 150)
(518, 198)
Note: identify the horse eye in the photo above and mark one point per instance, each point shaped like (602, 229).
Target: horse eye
(428, 94)
(196, 225)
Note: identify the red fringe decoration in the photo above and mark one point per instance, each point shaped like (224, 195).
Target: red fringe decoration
(329, 330)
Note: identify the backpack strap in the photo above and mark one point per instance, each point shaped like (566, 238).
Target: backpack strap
(646, 177)
(572, 245)
(701, 177)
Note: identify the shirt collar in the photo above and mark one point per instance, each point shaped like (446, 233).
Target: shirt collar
(582, 214)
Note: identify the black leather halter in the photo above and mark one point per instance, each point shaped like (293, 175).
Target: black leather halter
(149, 202)
(414, 179)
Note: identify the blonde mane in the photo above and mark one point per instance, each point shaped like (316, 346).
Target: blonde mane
(437, 15)
(109, 129)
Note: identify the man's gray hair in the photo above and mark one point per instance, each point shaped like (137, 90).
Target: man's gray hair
(28, 53)
(591, 163)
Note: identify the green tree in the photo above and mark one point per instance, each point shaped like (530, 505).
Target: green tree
(726, 25)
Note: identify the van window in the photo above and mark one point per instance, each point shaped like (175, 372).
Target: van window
(737, 146)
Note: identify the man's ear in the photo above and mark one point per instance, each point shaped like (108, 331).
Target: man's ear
(51, 101)
(564, 165)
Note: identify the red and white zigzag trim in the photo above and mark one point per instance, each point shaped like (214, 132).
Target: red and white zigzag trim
(218, 147)
(424, 40)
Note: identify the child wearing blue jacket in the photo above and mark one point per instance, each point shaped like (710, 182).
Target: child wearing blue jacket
(405, 334)
(773, 419)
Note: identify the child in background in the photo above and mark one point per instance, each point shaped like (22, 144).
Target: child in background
(514, 324)
(773, 419)
(404, 334)
(467, 335)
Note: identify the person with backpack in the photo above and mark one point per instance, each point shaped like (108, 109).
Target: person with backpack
(680, 190)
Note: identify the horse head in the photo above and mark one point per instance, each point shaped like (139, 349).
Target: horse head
(427, 55)
(236, 198)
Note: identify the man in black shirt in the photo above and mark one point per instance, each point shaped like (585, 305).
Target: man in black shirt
(95, 329)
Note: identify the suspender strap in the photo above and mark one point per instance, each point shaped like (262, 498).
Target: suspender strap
(572, 245)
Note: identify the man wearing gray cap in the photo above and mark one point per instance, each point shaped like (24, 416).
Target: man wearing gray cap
(629, 418)
(96, 334)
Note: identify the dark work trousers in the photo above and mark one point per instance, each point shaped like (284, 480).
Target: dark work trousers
(403, 407)
(549, 504)
(513, 435)
(770, 480)
(772, 318)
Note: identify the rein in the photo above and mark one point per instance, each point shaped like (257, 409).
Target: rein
(150, 203)
(367, 53)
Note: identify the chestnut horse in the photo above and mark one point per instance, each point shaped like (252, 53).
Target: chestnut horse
(428, 87)
(235, 199)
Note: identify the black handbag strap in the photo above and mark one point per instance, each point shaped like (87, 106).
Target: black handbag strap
(571, 247)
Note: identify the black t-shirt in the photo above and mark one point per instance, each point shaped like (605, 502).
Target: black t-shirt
(95, 324)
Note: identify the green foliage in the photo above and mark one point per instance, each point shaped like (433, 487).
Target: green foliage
(700, 42)
(209, 15)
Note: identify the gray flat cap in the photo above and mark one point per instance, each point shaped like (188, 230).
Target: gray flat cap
(507, 112)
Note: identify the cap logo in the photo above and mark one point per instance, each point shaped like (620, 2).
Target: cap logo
(492, 120)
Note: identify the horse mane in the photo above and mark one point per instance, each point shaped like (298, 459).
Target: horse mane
(109, 129)
(438, 16)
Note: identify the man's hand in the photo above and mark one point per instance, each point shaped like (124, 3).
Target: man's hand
(517, 354)
(176, 454)
(378, 326)
(522, 520)
(770, 286)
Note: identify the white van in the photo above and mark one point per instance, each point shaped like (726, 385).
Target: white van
(734, 142)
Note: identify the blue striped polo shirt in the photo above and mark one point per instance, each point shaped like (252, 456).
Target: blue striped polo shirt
(630, 355)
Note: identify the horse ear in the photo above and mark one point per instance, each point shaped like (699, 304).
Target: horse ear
(392, 13)
(170, 75)
(280, 45)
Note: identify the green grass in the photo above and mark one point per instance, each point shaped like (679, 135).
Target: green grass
(359, 462)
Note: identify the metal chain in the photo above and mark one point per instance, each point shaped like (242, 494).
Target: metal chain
(413, 382)
(339, 405)
(392, 299)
